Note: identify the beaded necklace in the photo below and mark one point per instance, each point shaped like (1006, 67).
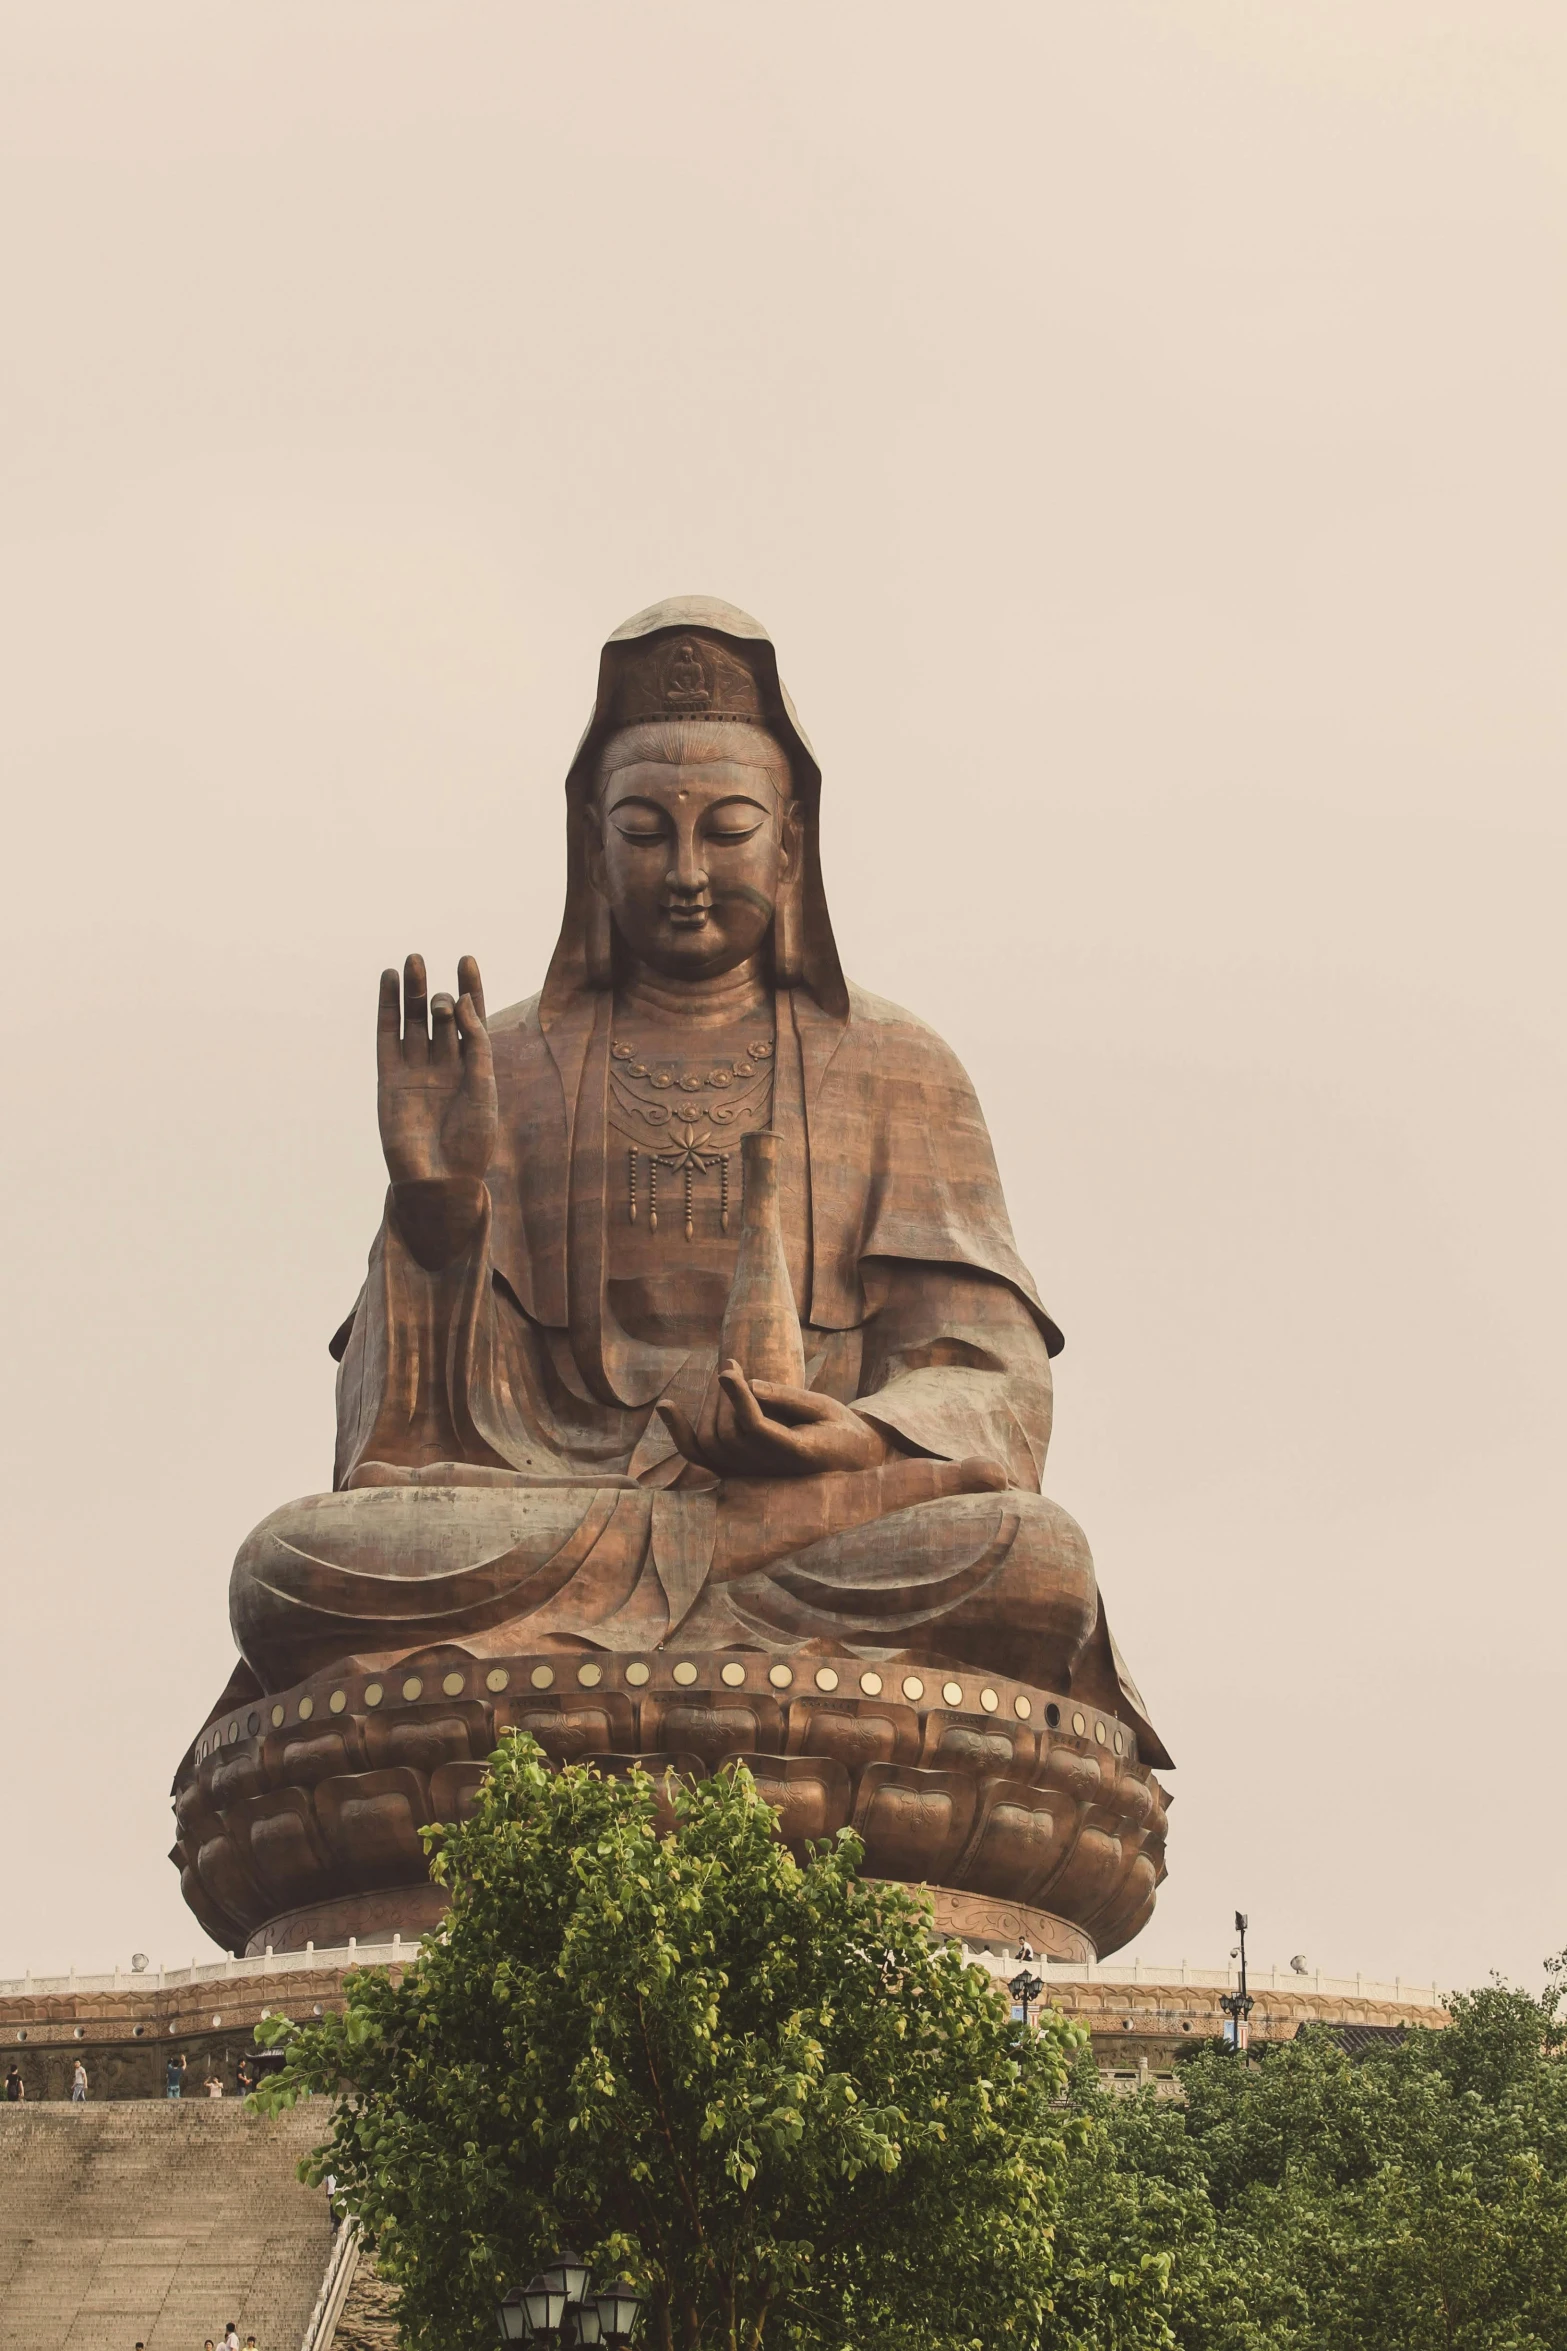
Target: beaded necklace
(693, 1109)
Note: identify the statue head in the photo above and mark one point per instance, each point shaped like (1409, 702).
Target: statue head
(696, 839)
(692, 807)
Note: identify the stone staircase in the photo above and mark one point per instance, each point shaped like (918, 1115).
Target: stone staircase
(153, 2222)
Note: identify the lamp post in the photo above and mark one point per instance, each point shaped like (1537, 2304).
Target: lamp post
(1238, 2005)
(1025, 1987)
(557, 2309)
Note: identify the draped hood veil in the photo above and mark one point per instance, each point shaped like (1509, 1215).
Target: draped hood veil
(880, 1127)
(707, 617)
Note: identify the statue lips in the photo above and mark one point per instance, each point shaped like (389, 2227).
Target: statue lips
(694, 914)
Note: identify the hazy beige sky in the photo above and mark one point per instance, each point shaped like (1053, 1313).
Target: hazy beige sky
(1142, 427)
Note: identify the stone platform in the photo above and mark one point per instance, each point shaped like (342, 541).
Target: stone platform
(132, 2218)
(1138, 2013)
(125, 2027)
(128, 2222)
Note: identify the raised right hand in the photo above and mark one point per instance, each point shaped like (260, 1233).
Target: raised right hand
(436, 1095)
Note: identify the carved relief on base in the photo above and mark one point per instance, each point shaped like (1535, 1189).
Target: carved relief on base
(976, 1918)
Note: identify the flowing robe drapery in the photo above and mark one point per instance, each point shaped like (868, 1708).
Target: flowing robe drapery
(906, 1277)
(509, 1360)
(494, 1343)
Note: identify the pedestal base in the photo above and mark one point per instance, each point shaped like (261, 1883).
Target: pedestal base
(1026, 1812)
(412, 1911)
(409, 1911)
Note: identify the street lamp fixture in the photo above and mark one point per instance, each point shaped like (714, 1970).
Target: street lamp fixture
(1024, 1987)
(1238, 2005)
(618, 2308)
(568, 2276)
(544, 2311)
(557, 2309)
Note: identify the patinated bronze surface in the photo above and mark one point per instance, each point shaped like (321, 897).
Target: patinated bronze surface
(696, 1401)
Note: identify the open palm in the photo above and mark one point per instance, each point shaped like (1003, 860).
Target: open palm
(436, 1093)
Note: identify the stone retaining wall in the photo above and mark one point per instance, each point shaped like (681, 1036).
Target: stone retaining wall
(125, 2036)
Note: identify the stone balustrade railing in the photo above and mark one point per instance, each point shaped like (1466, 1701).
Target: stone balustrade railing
(1220, 1979)
(400, 1950)
(217, 1971)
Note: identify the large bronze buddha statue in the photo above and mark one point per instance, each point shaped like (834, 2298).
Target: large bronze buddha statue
(695, 1404)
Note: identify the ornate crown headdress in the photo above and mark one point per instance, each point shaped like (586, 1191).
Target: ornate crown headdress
(687, 674)
(694, 657)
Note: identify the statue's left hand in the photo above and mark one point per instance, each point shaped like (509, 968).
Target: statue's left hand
(764, 1429)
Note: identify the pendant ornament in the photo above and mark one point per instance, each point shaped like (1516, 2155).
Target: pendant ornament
(689, 1112)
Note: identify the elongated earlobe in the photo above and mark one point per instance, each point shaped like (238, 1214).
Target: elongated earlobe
(788, 938)
(788, 907)
(599, 944)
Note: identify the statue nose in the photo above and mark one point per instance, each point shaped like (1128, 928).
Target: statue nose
(688, 873)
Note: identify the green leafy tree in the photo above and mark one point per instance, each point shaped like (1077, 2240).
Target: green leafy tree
(751, 2083)
(1413, 2201)
(1137, 2244)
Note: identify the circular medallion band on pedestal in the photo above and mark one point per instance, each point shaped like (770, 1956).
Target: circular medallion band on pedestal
(984, 1790)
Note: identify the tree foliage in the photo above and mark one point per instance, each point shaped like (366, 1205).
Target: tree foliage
(753, 2084)
(1413, 2201)
(749, 2082)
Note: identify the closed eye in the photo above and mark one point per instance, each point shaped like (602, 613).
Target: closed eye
(734, 820)
(634, 824)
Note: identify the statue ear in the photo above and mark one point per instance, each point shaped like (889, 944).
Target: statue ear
(788, 935)
(788, 910)
(599, 942)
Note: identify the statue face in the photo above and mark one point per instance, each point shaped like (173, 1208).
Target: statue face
(696, 834)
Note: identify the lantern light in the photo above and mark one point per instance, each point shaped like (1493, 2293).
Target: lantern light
(558, 2308)
(544, 2305)
(567, 2275)
(618, 2308)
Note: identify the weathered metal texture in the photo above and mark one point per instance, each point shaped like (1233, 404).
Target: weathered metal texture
(1032, 1815)
(696, 1378)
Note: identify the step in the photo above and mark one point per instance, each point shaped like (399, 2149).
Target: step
(158, 2222)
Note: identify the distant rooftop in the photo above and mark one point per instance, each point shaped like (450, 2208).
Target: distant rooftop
(1356, 2040)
